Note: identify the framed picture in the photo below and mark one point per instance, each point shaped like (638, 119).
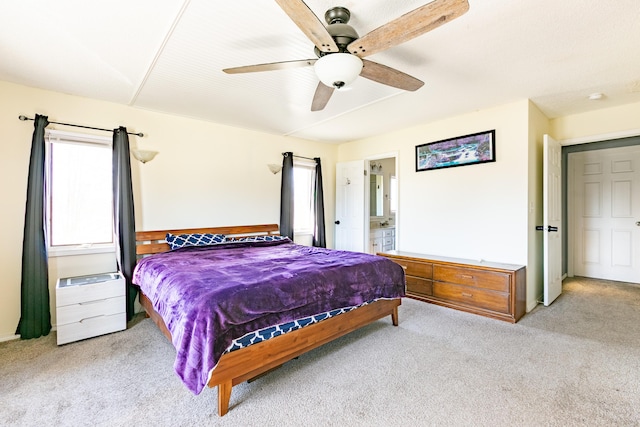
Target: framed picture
(460, 151)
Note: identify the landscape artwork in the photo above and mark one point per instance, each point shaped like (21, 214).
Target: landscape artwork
(459, 151)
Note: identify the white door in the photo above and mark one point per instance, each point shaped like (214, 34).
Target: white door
(552, 211)
(607, 214)
(350, 212)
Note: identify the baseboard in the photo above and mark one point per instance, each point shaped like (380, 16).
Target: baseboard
(16, 337)
(534, 305)
(9, 338)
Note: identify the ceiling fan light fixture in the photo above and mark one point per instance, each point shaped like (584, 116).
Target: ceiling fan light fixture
(338, 69)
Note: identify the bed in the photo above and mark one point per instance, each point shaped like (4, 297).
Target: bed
(213, 300)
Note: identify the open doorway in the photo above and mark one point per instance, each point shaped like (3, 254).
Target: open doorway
(381, 202)
(601, 209)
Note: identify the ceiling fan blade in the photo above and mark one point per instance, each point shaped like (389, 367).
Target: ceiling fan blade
(408, 26)
(389, 76)
(285, 65)
(321, 97)
(309, 23)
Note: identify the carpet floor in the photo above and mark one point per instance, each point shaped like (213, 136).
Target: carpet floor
(574, 363)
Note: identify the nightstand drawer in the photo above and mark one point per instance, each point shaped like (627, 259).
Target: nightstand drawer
(478, 278)
(74, 294)
(89, 309)
(489, 300)
(91, 327)
(88, 306)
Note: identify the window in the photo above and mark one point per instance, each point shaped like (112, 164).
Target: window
(303, 181)
(79, 192)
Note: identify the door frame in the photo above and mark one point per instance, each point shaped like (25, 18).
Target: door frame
(367, 193)
(574, 146)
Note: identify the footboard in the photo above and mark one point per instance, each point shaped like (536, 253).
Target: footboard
(249, 362)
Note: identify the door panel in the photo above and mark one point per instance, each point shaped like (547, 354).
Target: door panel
(350, 212)
(552, 165)
(607, 209)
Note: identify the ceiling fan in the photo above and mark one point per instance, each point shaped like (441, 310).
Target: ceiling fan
(340, 51)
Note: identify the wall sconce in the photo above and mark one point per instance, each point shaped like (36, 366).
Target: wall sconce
(274, 168)
(144, 156)
(376, 167)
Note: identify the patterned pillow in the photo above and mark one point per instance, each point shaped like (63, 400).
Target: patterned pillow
(195, 239)
(257, 239)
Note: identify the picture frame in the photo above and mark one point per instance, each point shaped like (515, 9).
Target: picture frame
(463, 150)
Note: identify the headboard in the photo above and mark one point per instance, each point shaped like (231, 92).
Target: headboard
(152, 242)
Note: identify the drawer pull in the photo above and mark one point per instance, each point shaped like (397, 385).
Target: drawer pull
(468, 295)
(466, 276)
(92, 317)
(404, 267)
(98, 301)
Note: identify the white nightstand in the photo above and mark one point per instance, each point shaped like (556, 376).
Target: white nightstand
(89, 306)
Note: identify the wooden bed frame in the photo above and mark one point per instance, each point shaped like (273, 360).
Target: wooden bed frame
(249, 362)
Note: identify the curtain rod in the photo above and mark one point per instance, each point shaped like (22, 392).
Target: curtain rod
(300, 157)
(23, 118)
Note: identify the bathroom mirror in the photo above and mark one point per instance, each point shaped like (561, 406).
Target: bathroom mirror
(376, 196)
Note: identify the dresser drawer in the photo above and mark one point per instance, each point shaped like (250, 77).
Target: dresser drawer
(78, 312)
(388, 233)
(476, 297)
(412, 268)
(466, 276)
(96, 291)
(91, 327)
(417, 285)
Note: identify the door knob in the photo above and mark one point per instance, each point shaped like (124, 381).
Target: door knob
(337, 222)
(638, 223)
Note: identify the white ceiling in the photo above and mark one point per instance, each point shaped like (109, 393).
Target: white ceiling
(167, 56)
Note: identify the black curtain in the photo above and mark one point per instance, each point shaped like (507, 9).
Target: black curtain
(35, 314)
(123, 215)
(319, 238)
(286, 196)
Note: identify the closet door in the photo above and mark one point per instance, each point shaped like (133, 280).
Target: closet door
(607, 214)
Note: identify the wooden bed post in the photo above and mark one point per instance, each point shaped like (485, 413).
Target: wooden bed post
(224, 395)
(394, 316)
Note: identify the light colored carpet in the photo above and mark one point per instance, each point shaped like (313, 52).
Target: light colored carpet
(576, 362)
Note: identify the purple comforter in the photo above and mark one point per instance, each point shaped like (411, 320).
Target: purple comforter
(209, 296)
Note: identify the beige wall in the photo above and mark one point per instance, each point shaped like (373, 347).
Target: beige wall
(206, 174)
(475, 212)
(603, 124)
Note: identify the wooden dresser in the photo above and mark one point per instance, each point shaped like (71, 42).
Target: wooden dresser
(486, 288)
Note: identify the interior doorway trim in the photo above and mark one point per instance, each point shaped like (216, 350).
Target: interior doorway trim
(594, 143)
(600, 138)
(369, 159)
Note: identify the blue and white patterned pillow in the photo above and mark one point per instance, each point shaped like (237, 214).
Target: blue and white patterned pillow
(195, 239)
(257, 239)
